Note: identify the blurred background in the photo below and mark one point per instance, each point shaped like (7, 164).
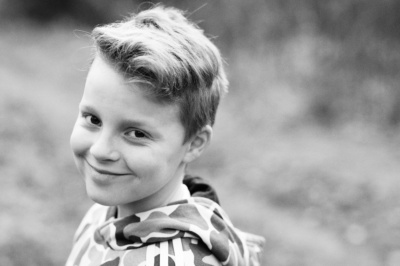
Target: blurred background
(306, 145)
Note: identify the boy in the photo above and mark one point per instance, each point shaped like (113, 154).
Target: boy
(147, 109)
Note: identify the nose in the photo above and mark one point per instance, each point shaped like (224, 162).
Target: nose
(103, 149)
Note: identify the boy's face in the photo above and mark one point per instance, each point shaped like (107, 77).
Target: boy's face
(128, 148)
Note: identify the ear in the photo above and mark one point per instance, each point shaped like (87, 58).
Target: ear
(198, 143)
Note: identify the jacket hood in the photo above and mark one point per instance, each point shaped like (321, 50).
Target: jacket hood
(195, 218)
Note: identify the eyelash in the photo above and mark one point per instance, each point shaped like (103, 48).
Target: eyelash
(143, 134)
(90, 116)
(86, 116)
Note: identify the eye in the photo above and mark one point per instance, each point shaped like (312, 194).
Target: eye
(92, 120)
(136, 134)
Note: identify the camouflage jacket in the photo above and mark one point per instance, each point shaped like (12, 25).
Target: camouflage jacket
(195, 231)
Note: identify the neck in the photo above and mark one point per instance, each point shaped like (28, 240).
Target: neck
(173, 191)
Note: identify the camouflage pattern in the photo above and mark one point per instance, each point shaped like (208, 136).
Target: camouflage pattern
(195, 231)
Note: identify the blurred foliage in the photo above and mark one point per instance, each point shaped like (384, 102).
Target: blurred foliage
(342, 36)
(307, 137)
(270, 18)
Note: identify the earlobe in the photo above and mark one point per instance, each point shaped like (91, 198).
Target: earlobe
(198, 143)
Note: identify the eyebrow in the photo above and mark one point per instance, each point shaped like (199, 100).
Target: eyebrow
(87, 108)
(136, 123)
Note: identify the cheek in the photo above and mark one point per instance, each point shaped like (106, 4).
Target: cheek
(79, 141)
(148, 163)
(142, 160)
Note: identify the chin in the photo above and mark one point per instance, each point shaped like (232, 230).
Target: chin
(101, 200)
(100, 197)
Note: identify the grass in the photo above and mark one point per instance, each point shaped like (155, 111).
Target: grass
(321, 194)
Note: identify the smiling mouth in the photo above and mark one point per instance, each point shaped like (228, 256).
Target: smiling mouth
(104, 172)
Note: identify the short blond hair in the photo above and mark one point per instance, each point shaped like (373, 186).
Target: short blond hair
(161, 47)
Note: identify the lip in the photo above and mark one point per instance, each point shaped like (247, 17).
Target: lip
(105, 172)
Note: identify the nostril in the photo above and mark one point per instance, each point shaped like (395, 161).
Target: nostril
(114, 156)
(102, 152)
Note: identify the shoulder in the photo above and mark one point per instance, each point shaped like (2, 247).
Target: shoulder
(197, 253)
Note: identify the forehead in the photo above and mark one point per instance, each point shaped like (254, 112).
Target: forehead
(108, 89)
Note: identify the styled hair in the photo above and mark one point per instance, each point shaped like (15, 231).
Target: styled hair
(162, 48)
